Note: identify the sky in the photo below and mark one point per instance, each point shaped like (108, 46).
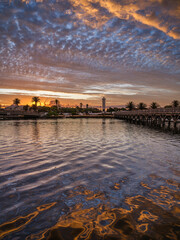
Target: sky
(81, 50)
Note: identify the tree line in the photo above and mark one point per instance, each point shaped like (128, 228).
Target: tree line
(130, 106)
(141, 106)
(17, 101)
(56, 109)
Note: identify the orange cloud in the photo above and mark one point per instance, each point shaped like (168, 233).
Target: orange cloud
(93, 17)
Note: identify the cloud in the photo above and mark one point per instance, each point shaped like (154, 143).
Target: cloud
(70, 46)
(125, 89)
(42, 93)
(128, 12)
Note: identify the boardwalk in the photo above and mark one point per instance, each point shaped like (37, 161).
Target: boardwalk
(160, 117)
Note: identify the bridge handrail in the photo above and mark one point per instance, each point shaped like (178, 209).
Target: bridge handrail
(150, 111)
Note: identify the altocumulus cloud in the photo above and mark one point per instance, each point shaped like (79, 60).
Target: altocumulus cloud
(72, 46)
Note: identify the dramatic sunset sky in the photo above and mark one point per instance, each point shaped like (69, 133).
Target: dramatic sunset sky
(80, 50)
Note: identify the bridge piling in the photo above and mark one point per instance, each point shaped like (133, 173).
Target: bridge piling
(163, 118)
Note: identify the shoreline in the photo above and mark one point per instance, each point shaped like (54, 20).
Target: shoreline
(55, 117)
(155, 127)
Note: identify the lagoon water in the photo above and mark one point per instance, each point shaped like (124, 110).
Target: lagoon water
(88, 179)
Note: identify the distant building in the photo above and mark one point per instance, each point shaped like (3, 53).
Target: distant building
(104, 104)
(15, 107)
(53, 103)
(81, 105)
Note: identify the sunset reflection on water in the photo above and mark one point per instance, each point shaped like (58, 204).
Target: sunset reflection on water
(142, 218)
(69, 186)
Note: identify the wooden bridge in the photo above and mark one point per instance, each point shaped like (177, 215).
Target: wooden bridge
(160, 117)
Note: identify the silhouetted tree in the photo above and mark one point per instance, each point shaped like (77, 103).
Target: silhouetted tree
(115, 109)
(110, 109)
(141, 106)
(35, 100)
(26, 107)
(154, 105)
(130, 106)
(175, 103)
(57, 103)
(16, 101)
(168, 106)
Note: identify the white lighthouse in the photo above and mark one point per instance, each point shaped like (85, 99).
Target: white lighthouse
(104, 104)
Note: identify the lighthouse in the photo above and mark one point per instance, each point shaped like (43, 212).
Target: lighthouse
(104, 104)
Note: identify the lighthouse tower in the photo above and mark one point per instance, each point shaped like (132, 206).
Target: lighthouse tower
(104, 104)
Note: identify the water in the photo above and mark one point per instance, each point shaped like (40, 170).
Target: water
(88, 179)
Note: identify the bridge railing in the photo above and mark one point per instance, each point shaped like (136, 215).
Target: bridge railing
(150, 111)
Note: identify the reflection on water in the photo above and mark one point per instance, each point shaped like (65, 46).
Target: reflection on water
(35, 127)
(143, 219)
(21, 221)
(88, 179)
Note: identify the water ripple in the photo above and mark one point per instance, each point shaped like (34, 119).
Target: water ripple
(101, 170)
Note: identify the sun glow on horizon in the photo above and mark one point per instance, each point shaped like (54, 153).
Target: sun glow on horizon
(43, 93)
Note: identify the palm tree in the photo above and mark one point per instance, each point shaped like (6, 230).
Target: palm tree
(142, 105)
(130, 106)
(154, 105)
(16, 101)
(175, 103)
(35, 100)
(57, 103)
